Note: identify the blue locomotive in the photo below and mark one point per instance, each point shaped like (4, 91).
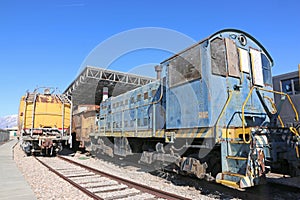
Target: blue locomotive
(211, 115)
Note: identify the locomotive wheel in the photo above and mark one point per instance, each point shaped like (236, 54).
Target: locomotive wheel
(213, 160)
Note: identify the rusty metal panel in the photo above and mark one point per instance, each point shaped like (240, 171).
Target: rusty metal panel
(84, 118)
(185, 67)
(232, 58)
(218, 57)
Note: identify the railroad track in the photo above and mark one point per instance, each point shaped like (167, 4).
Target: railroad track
(101, 185)
(271, 190)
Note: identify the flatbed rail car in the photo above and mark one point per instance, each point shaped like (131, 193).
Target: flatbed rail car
(44, 122)
(212, 115)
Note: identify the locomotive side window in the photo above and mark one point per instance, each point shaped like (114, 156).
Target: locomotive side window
(244, 60)
(145, 95)
(185, 67)
(256, 64)
(139, 122)
(232, 57)
(218, 58)
(139, 97)
(296, 86)
(132, 100)
(145, 121)
(266, 70)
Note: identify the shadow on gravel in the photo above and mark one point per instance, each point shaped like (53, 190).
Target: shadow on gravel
(67, 152)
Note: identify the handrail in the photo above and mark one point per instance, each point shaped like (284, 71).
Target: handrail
(246, 100)
(243, 116)
(294, 130)
(224, 107)
(62, 114)
(275, 109)
(33, 113)
(289, 98)
(24, 113)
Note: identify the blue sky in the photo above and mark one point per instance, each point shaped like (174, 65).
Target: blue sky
(44, 43)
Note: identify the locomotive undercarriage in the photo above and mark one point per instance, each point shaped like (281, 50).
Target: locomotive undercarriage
(194, 157)
(232, 162)
(43, 142)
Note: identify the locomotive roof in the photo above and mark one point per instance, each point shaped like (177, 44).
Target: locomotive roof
(222, 32)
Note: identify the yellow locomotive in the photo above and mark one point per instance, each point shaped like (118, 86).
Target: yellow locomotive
(44, 121)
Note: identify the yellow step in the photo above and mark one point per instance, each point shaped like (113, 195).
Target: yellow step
(236, 158)
(237, 142)
(234, 174)
(229, 183)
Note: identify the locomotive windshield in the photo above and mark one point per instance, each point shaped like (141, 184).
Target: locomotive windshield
(231, 56)
(185, 67)
(267, 74)
(218, 58)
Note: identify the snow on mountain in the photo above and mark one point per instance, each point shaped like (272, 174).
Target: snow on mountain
(9, 121)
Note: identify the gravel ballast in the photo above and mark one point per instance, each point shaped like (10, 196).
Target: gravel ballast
(46, 185)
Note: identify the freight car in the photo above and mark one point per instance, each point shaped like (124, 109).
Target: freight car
(84, 123)
(44, 122)
(212, 115)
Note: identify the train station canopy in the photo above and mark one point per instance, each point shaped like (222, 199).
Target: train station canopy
(87, 88)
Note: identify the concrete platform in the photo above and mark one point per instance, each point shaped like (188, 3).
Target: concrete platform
(12, 183)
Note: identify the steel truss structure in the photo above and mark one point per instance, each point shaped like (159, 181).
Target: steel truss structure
(88, 85)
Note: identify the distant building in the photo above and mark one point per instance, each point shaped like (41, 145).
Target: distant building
(4, 135)
(287, 83)
(12, 132)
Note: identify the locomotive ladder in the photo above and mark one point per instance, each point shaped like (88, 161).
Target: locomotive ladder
(243, 151)
(236, 158)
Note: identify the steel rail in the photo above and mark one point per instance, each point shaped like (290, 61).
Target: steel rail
(84, 190)
(143, 188)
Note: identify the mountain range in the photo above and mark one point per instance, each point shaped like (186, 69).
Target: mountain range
(9, 121)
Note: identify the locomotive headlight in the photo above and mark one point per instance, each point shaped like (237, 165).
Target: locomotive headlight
(242, 39)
